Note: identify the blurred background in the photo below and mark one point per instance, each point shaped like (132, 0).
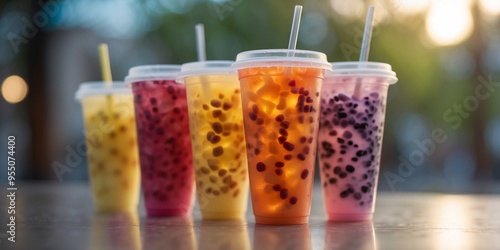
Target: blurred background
(443, 118)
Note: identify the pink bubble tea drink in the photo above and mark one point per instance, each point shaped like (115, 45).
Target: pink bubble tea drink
(353, 103)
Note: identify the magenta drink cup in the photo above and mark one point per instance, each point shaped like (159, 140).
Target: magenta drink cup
(164, 140)
(352, 117)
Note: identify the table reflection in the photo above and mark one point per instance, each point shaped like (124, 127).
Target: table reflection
(282, 237)
(354, 235)
(115, 231)
(168, 232)
(453, 222)
(224, 235)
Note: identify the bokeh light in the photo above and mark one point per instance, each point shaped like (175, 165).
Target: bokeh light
(351, 9)
(14, 89)
(410, 6)
(491, 7)
(449, 22)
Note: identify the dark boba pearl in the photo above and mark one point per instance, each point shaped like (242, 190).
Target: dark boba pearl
(261, 167)
(293, 200)
(304, 174)
(337, 170)
(283, 193)
(217, 127)
(153, 101)
(340, 140)
(332, 180)
(291, 83)
(350, 190)
(288, 157)
(342, 175)
(349, 168)
(277, 187)
(357, 196)
(279, 164)
(285, 124)
(280, 118)
(218, 151)
(303, 139)
(252, 116)
(288, 146)
(347, 135)
(364, 189)
(215, 103)
(344, 194)
(332, 133)
(279, 171)
(301, 157)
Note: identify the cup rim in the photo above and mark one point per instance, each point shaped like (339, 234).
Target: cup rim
(99, 88)
(281, 57)
(362, 69)
(152, 72)
(212, 67)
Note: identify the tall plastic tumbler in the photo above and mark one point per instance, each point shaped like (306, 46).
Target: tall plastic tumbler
(350, 137)
(218, 139)
(164, 139)
(281, 94)
(108, 114)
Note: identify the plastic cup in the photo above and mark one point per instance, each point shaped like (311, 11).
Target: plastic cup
(280, 92)
(218, 139)
(108, 114)
(350, 137)
(164, 140)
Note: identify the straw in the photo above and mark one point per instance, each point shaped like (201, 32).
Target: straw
(200, 42)
(294, 32)
(105, 65)
(365, 45)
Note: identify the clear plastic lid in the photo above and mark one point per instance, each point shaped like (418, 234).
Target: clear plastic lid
(281, 57)
(368, 69)
(204, 68)
(152, 72)
(99, 88)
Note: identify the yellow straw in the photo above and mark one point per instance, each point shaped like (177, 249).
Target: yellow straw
(105, 65)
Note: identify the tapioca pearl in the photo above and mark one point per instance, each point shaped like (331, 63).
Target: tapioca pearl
(300, 119)
(304, 174)
(218, 151)
(216, 113)
(332, 180)
(303, 139)
(310, 140)
(344, 194)
(256, 151)
(261, 167)
(259, 121)
(293, 200)
(342, 175)
(354, 159)
(361, 153)
(236, 193)
(278, 171)
(217, 127)
(301, 157)
(222, 172)
(282, 139)
(283, 193)
(292, 83)
(228, 179)
(364, 189)
(216, 192)
(343, 152)
(277, 187)
(288, 146)
(326, 166)
(288, 157)
(279, 164)
(215, 103)
(305, 150)
(337, 170)
(350, 168)
(285, 124)
(283, 132)
(233, 185)
(279, 118)
(213, 179)
(350, 190)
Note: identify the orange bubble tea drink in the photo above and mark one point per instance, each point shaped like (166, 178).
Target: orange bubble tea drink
(218, 139)
(108, 114)
(280, 94)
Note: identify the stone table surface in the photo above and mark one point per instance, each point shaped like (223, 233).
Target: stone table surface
(60, 216)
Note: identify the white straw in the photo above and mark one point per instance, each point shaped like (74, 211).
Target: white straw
(294, 33)
(200, 42)
(367, 35)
